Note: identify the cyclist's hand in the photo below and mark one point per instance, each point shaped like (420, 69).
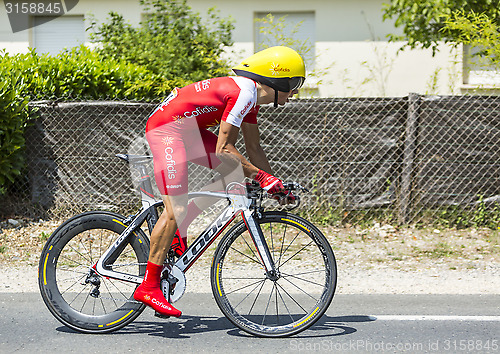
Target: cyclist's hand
(274, 186)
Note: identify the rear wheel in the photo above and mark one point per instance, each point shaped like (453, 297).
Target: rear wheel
(282, 304)
(71, 288)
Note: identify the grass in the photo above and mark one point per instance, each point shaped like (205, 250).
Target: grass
(442, 249)
(448, 217)
(494, 238)
(44, 236)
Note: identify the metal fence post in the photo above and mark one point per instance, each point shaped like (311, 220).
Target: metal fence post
(409, 152)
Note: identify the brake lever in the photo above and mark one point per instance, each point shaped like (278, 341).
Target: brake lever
(291, 186)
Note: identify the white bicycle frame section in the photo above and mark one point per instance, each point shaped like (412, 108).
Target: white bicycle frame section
(238, 204)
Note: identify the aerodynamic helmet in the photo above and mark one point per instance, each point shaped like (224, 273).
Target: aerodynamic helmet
(279, 67)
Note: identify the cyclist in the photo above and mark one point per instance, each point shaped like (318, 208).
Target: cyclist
(177, 133)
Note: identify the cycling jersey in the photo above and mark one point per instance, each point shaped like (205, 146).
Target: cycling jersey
(176, 130)
(230, 99)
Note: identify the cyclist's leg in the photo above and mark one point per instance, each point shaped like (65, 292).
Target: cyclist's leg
(230, 171)
(170, 165)
(164, 230)
(149, 292)
(201, 151)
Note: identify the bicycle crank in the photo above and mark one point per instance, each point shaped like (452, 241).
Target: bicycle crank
(173, 283)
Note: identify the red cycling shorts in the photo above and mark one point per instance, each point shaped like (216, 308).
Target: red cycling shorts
(172, 147)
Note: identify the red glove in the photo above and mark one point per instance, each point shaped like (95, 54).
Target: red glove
(273, 186)
(269, 183)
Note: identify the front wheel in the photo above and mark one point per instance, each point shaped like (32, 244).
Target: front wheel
(281, 305)
(70, 286)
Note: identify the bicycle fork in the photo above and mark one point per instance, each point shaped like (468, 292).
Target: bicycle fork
(260, 243)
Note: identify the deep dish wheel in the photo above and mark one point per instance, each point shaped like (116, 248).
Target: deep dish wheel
(274, 307)
(73, 292)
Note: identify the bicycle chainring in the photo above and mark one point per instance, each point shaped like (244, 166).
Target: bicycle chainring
(174, 283)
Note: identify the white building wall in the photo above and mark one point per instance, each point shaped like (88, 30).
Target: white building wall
(351, 46)
(20, 42)
(353, 56)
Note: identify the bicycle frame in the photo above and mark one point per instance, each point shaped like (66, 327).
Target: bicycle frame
(238, 204)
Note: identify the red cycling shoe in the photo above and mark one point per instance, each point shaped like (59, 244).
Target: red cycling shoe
(155, 299)
(149, 292)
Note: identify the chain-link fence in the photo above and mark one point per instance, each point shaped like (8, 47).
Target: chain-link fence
(405, 160)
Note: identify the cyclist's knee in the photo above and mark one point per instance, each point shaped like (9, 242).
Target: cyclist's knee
(174, 214)
(179, 212)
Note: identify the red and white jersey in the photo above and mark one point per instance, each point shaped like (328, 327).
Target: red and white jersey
(208, 102)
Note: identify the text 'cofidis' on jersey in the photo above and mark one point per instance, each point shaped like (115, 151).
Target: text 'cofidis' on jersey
(169, 158)
(199, 111)
(245, 109)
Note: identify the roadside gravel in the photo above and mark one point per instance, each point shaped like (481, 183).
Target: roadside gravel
(376, 260)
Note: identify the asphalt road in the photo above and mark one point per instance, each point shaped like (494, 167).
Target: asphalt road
(354, 324)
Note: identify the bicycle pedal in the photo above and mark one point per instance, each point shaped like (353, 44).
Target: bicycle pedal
(159, 315)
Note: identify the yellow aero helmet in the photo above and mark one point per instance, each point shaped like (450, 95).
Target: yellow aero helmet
(281, 68)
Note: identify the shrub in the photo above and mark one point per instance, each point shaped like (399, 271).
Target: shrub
(77, 74)
(172, 42)
(80, 73)
(13, 117)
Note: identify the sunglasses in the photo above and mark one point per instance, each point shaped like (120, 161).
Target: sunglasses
(296, 82)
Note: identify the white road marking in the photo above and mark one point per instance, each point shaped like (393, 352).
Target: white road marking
(435, 318)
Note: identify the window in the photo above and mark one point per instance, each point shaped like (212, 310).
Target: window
(298, 26)
(479, 70)
(53, 35)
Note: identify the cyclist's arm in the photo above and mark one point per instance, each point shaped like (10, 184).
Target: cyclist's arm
(257, 156)
(227, 152)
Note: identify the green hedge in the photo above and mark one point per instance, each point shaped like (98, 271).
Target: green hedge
(173, 41)
(76, 74)
(80, 73)
(13, 118)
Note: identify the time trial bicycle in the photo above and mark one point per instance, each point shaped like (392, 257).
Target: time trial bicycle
(273, 273)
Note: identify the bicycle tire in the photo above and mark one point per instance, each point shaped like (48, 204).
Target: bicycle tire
(65, 271)
(305, 286)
